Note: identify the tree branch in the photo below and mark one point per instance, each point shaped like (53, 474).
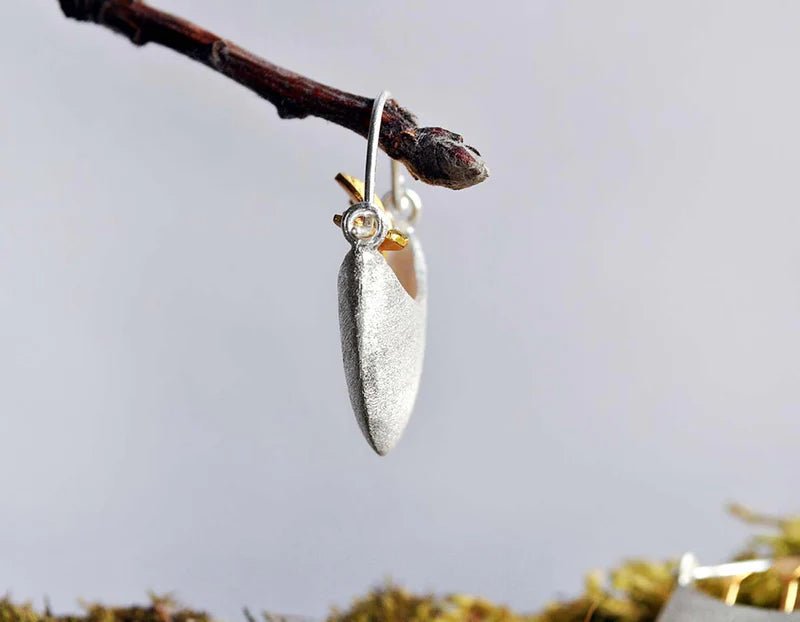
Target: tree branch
(431, 154)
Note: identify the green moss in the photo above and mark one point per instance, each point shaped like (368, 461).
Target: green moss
(161, 609)
(394, 604)
(633, 592)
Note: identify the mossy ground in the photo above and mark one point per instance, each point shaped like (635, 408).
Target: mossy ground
(633, 592)
(160, 609)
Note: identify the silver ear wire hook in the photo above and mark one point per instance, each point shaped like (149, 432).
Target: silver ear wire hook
(373, 138)
(365, 224)
(689, 571)
(404, 204)
(397, 184)
(686, 569)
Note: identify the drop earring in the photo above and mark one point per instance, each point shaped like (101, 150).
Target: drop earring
(382, 299)
(688, 604)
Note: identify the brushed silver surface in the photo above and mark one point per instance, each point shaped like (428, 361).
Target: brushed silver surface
(687, 604)
(383, 340)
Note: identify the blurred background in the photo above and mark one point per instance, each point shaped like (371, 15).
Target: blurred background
(613, 319)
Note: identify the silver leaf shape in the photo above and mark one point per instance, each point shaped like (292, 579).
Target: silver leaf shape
(382, 311)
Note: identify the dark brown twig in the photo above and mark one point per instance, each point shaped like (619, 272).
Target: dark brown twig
(431, 154)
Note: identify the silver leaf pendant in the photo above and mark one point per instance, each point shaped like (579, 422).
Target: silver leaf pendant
(382, 315)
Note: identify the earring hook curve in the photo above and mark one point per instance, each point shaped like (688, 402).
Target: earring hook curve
(373, 138)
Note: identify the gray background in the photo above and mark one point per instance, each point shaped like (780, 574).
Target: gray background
(614, 329)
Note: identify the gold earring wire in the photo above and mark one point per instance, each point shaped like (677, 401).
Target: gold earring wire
(789, 570)
(732, 592)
